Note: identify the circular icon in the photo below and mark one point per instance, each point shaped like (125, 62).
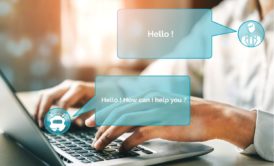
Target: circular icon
(251, 33)
(57, 121)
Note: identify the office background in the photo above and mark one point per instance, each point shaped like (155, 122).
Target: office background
(43, 42)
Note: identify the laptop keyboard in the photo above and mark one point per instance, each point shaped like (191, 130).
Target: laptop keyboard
(78, 145)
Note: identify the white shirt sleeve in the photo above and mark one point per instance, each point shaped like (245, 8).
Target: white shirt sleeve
(264, 135)
(264, 138)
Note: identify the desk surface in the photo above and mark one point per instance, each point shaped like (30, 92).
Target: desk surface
(224, 153)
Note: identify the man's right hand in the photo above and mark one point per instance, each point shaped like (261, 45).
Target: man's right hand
(65, 95)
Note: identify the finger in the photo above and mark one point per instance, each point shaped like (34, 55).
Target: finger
(71, 97)
(90, 122)
(45, 105)
(139, 136)
(80, 121)
(37, 107)
(47, 100)
(110, 135)
(98, 134)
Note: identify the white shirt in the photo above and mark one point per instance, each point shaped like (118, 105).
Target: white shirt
(235, 74)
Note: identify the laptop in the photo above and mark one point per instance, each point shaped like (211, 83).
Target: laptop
(73, 148)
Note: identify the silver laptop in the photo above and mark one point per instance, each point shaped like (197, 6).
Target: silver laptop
(73, 148)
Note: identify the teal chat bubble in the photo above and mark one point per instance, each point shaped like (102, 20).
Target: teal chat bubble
(166, 33)
(140, 101)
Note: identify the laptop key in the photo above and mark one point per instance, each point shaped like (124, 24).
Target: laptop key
(73, 139)
(128, 154)
(88, 154)
(91, 150)
(121, 155)
(119, 141)
(61, 140)
(99, 152)
(71, 145)
(95, 159)
(109, 150)
(66, 143)
(104, 154)
(70, 152)
(86, 161)
(111, 157)
(147, 151)
(57, 137)
(76, 148)
(87, 139)
(100, 156)
(132, 154)
(80, 158)
(81, 151)
(75, 155)
(76, 141)
(69, 137)
(52, 141)
(87, 148)
(60, 146)
(113, 144)
(81, 143)
(65, 149)
(136, 150)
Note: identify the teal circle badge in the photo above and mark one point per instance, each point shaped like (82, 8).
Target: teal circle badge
(251, 33)
(57, 121)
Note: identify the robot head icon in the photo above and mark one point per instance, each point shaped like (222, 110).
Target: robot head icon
(251, 33)
(57, 121)
(251, 27)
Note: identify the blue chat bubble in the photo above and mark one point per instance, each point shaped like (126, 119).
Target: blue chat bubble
(140, 100)
(167, 33)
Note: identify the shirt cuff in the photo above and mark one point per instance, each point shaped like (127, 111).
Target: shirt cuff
(263, 137)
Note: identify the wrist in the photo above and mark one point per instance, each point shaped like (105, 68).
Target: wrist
(235, 125)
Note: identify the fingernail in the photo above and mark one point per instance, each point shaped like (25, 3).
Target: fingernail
(95, 145)
(80, 122)
(90, 121)
(93, 142)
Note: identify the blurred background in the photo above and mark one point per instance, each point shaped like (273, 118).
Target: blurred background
(43, 42)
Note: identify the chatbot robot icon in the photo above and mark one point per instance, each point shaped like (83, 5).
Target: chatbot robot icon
(57, 121)
(251, 33)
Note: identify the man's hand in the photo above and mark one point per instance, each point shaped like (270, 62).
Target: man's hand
(209, 120)
(65, 95)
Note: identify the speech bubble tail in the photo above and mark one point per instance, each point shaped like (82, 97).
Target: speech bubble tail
(89, 106)
(219, 29)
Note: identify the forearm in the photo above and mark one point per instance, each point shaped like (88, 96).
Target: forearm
(236, 125)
